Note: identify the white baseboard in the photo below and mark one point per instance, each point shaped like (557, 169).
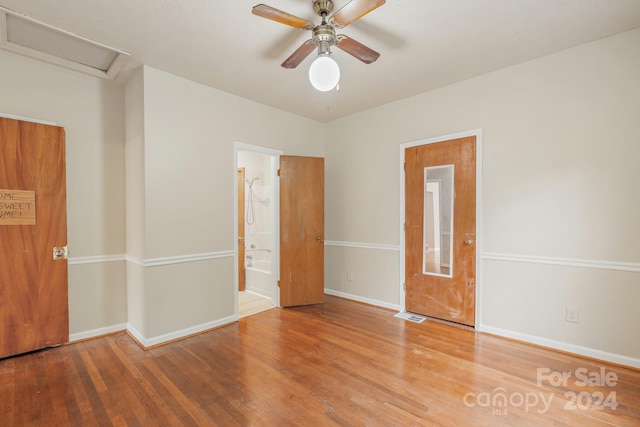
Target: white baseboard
(136, 334)
(562, 346)
(150, 342)
(97, 332)
(358, 298)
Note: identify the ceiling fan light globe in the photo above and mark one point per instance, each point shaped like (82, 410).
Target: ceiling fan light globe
(324, 73)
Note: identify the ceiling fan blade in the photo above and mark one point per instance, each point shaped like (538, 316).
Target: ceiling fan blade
(357, 49)
(296, 57)
(280, 16)
(354, 10)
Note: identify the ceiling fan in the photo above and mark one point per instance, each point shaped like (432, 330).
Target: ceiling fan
(324, 36)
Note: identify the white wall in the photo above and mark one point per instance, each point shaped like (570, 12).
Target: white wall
(179, 191)
(560, 203)
(561, 143)
(189, 185)
(92, 112)
(135, 202)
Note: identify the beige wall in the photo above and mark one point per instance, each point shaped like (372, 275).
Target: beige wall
(559, 199)
(135, 202)
(179, 191)
(91, 111)
(187, 283)
(561, 143)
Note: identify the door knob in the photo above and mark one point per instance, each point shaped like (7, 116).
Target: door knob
(60, 253)
(468, 242)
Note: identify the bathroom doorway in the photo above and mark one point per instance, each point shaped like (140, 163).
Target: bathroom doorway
(257, 229)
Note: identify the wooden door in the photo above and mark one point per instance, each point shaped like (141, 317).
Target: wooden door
(301, 230)
(241, 254)
(33, 286)
(436, 295)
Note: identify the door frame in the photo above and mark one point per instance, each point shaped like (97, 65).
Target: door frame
(479, 238)
(241, 209)
(275, 221)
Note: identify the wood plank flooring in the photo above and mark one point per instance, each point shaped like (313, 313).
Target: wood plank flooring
(336, 364)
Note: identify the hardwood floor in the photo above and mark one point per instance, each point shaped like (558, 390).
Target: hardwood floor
(340, 363)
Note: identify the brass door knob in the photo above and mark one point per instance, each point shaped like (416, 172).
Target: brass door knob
(60, 253)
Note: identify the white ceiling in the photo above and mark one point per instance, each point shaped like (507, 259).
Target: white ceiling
(424, 44)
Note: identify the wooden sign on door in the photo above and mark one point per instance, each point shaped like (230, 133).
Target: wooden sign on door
(17, 207)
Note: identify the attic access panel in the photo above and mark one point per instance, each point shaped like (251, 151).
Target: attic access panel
(26, 36)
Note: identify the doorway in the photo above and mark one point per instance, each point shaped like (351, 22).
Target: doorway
(440, 213)
(257, 229)
(279, 225)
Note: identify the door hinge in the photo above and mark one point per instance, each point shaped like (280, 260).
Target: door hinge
(278, 283)
(278, 172)
(404, 286)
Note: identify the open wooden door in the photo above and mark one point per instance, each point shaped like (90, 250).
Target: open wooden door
(33, 231)
(301, 230)
(440, 265)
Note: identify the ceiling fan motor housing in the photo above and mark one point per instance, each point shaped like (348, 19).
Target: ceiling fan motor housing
(324, 36)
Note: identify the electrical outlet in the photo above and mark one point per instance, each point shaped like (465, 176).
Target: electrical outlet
(571, 315)
(350, 276)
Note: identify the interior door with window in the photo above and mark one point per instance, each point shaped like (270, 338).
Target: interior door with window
(301, 230)
(440, 230)
(33, 236)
